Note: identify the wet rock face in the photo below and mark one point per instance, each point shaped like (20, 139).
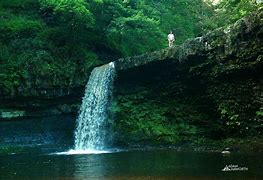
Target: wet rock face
(40, 101)
(209, 87)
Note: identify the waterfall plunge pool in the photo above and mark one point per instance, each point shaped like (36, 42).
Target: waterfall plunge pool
(29, 149)
(72, 152)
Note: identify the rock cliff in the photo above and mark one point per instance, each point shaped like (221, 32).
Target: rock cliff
(208, 87)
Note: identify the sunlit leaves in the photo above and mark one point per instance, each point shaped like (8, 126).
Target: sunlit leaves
(76, 9)
(20, 26)
(227, 12)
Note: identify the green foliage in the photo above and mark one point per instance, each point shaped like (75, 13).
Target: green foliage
(182, 16)
(18, 5)
(20, 26)
(227, 12)
(259, 113)
(134, 34)
(70, 11)
(140, 118)
(233, 120)
(237, 108)
(57, 42)
(40, 44)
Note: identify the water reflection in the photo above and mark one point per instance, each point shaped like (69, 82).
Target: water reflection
(155, 163)
(91, 166)
(33, 146)
(48, 133)
(163, 163)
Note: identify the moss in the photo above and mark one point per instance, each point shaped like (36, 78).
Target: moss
(259, 113)
(144, 117)
(212, 94)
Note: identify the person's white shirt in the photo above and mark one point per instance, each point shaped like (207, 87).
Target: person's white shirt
(171, 37)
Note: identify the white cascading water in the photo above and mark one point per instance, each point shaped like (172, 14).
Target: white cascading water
(93, 130)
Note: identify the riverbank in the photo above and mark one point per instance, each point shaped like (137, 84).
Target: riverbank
(233, 145)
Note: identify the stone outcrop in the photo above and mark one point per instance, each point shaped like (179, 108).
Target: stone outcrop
(221, 55)
(210, 87)
(219, 45)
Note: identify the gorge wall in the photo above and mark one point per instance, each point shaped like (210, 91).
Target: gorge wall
(208, 87)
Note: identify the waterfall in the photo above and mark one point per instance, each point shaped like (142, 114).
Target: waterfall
(93, 126)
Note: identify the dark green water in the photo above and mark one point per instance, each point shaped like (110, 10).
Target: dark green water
(28, 151)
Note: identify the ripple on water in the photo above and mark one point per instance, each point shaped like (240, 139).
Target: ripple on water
(88, 151)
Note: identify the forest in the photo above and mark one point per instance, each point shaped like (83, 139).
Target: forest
(90, 89)
(58, 42)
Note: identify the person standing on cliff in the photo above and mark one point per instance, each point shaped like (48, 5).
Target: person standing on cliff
(171, 39)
